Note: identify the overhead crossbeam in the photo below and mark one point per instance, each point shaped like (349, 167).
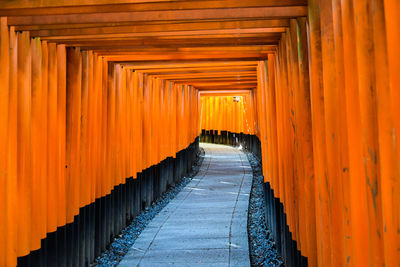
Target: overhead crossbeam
(206, 44)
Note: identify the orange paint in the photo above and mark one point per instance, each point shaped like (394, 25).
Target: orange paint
(84, 106)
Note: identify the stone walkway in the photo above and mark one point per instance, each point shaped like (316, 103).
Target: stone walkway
(206, 224)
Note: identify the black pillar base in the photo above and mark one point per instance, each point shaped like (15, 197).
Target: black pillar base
(80, 242)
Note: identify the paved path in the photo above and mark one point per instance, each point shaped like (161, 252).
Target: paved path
(206, 224)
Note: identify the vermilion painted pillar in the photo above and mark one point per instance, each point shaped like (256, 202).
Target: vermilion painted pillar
(73, 124)
(391, 167)
(343, 157)
(61, 116)
(318, 117)
(38, 153)
(356, 182)
(12, 153)
(44, 65)
(333, 138)
(84, 183)
(24, 165)
(4, 108)
(304, 129)
(369, 127)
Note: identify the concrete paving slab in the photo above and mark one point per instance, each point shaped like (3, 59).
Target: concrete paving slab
(195, 256)
(191, 243)
(206, 223)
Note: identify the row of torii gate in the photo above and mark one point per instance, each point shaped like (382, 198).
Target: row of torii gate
(93, 94)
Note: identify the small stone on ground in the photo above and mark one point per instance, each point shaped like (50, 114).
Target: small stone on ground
(263, 251)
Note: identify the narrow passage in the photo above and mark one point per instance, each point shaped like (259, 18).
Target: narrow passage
(206, 224)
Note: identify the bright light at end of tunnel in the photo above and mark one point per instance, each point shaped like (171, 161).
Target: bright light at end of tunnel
(236, 98)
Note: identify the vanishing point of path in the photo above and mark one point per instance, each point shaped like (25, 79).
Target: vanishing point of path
(206, 224)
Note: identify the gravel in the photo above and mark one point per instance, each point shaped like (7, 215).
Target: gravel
(263, 251)
(121, 244)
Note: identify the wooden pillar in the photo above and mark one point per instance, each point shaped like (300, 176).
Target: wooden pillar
(356, 183)
(5, 199)
(179, 116)
(130, 113)
(24, 154)
(38, 153)
(61, 117)
(99, 84)
(369, 127)
(172, 107)
(333, 137)
(280, 127)
(291, 204)
(155, 104)
(12, 153)
(390, 160)
(140, 122)
(146, 120)
(44, 65)
(73, 124)
(342, 132)
(84, 183)
(111, 125)
(293, 71)
(117, 140)
(272, 122)
(304, 138)
(318, 124)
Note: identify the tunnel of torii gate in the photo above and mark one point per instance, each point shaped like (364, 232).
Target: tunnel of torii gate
(102, 105)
